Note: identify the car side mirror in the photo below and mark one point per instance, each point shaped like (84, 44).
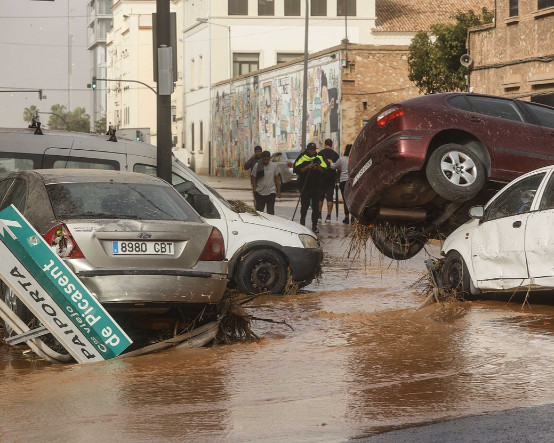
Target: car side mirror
(202, 204)
(477, 212)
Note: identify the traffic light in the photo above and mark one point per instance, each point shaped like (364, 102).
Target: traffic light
(93, 84)
(138, 135)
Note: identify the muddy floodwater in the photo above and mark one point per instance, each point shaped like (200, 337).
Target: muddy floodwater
(358, 359)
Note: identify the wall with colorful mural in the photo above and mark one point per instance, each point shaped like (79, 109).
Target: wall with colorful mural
(265, 109)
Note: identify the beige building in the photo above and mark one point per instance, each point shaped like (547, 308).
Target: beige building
(514, 56)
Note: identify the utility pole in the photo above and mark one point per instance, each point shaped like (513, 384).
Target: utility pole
(164, 99)
(305, 85)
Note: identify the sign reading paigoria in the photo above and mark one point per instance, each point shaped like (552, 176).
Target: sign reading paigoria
(54, 294)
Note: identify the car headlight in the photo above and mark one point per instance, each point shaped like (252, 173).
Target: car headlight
(308, 241)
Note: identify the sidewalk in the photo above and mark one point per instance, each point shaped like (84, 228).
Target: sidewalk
(241, 183)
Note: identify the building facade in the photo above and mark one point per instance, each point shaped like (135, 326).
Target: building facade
(221, 44)
(99, 20)
(514, 56)
(347, 84)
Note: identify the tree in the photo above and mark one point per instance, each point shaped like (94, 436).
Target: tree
(100, 125)
(434, 60)
(29, 113)
(79, 120)
(57, 118)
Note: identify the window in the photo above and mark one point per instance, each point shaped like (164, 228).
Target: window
(346, 7)
(543, 4)
(12, 162)
(238, 7)
(266, 7)
(548, 195)
(318, 7)
(17, 195)
(244, 63)
(516, 199)
(292, 7)
(514, 10)
(283, 57)
(192, 137)
(496, 108)
(201, 146)
(544, 115)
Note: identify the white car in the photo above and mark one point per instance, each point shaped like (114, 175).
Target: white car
(508, 245)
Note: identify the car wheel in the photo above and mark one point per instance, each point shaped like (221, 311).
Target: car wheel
(262, 271)
(455, 172)
(10, 298)
(399, 242)
(455, 274)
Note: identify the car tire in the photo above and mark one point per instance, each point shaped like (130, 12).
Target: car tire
(455, 275)
(10, 298)
(262, 271)
(455, 172)
(392, 240)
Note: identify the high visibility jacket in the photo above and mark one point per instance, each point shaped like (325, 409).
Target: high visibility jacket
(310, 177)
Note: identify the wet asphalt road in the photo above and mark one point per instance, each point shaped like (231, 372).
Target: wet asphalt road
(356, 360)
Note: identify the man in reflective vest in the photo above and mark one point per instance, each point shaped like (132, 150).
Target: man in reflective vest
(310, 168)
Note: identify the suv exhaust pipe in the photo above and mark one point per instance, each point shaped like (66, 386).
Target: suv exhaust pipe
(414, 215)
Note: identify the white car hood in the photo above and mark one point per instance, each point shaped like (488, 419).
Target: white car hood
(275, 222)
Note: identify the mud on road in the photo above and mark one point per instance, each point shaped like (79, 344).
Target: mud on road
(360, 359)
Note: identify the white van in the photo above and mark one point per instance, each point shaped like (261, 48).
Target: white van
(266, 253)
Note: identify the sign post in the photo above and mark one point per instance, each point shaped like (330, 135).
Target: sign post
(54, 294)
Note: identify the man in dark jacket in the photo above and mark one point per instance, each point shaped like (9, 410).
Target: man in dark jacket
(329, 180)
(310, 168)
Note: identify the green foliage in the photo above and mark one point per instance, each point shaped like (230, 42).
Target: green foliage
(77, 120)
(100, 125)
(29, 113)
(434, 60)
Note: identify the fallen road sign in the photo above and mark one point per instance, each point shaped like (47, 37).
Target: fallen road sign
(54, 294)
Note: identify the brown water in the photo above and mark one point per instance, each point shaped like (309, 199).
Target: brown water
(360, 359)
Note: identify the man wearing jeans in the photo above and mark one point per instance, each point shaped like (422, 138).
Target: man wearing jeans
(265, 183)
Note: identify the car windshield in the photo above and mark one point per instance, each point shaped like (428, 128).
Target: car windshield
(291, 155)
(136, 201)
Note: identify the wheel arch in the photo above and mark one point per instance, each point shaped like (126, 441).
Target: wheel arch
(254, 246)
(462, 138)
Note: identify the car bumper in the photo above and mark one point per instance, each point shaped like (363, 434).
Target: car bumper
(305, 263)
(142, 286)
(380, 169)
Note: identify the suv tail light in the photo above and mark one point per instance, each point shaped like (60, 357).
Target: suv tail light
(290, 165)
(390, 114)
(215, 247)
(62, 242)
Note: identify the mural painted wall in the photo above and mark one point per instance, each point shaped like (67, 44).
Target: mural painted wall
(266, 110)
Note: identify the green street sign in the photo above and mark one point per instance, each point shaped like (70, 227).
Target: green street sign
(40, 267)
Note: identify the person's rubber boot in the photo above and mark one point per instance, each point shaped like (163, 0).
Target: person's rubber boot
(315, 229)
(346, 221)
(303, 221)
(328, 218)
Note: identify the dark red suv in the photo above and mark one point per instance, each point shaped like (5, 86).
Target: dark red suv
(418, 164)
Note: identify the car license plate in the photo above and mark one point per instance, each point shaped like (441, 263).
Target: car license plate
(142, 248)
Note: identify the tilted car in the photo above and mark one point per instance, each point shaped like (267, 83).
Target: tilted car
(285, 163)
(419, 164)
(509, 243)
(132, 240)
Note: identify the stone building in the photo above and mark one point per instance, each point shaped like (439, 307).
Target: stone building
(514, 56)
(347, 84)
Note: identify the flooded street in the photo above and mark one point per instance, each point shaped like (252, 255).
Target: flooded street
(358, 359)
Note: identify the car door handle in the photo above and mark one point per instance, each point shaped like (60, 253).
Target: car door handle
(516, 224)
(475, 120)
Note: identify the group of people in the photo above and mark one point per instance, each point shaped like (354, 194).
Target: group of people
(317, 178)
